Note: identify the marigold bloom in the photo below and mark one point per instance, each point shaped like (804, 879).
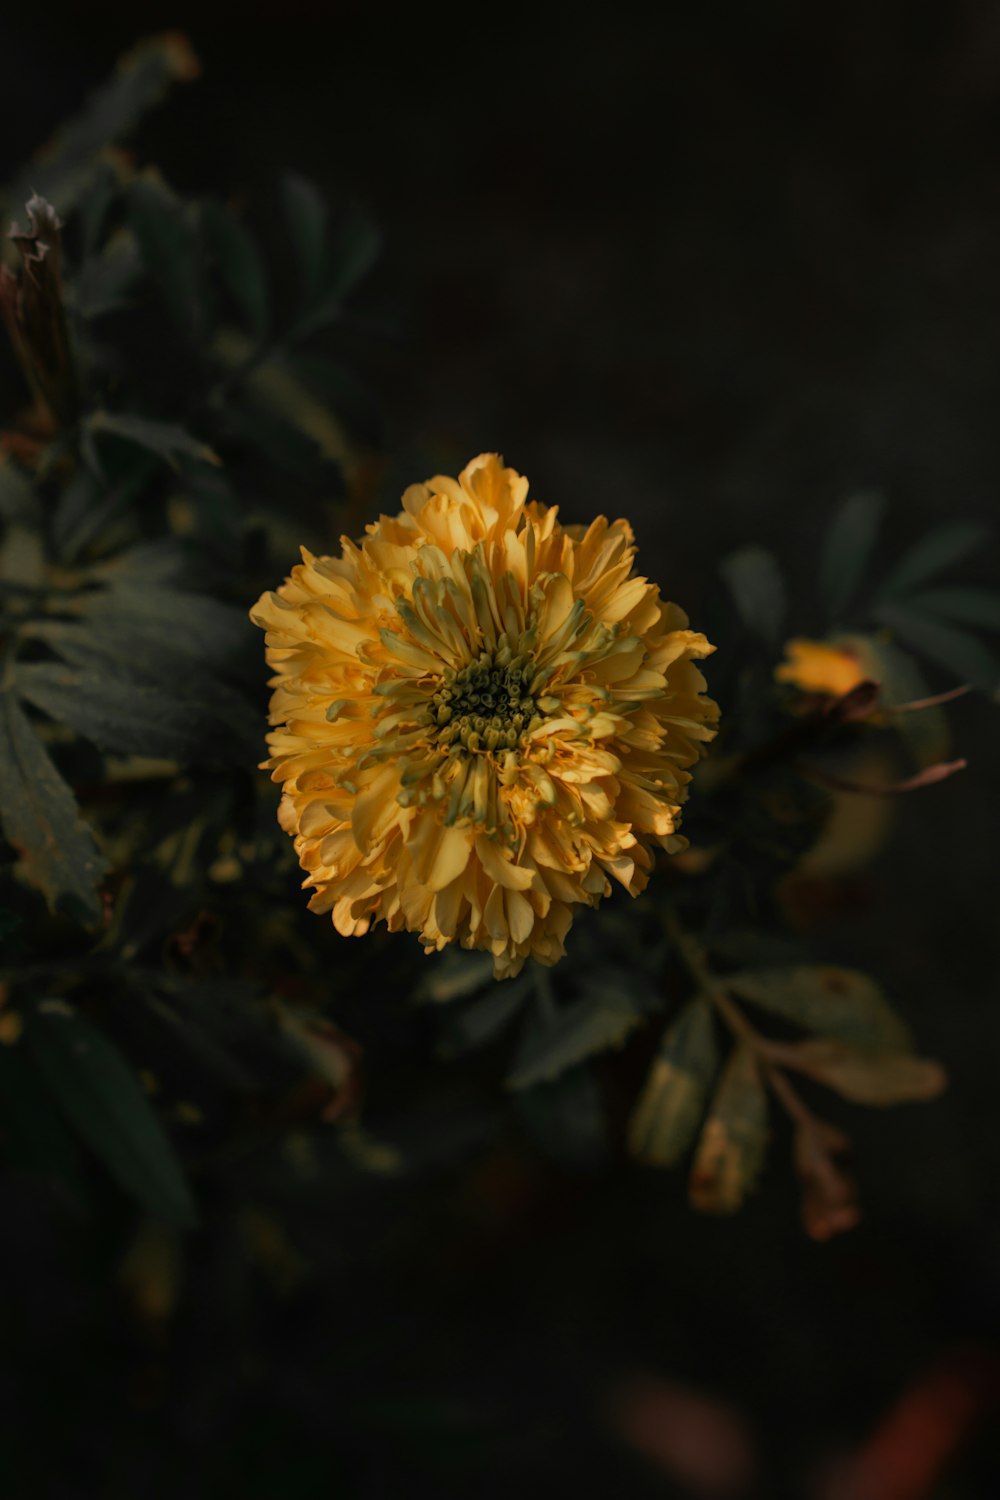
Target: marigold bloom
(820, 667)
(481, 715)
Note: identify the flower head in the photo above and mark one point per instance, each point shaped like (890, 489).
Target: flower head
(481, 717)
(821, 667)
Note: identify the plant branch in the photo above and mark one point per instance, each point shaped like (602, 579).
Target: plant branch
(767, 1052)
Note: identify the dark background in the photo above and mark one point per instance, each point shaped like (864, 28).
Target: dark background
(711, 270)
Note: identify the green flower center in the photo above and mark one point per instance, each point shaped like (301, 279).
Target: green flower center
(487, 705)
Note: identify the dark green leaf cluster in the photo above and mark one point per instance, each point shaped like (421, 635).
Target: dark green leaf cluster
(182, 428)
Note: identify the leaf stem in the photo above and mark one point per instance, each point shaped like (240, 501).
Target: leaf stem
(693, 956)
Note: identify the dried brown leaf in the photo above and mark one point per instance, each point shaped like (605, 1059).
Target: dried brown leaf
(829, 1191)
(876, 1078)
(666, 1115)
(731, 1148)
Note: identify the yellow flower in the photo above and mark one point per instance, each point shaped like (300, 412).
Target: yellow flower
(820, 667)
(481, 715)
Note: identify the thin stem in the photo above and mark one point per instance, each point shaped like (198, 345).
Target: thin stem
(930, 776)
(939, 698)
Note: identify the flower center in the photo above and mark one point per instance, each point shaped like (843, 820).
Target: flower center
(488, 704)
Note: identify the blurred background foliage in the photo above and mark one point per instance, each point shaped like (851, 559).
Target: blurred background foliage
(292, 1215)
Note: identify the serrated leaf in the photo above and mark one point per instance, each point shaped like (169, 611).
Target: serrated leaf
(89, 505)
(840, 1003)
(41, 820)
(557, 1041)
(848, 548)
(166, 623)
(65, 168)
(955, 650)
(162, 562)
(970, 606)
(164, 227)
(306, 216)
(482, 1019)
(758, 589)
(668, 1110)
(166, 439)
(240, 265)
(129, 718)
(876, 1078)
(733, 1140)
(130, 647)
(101, 1098)
(935, 551)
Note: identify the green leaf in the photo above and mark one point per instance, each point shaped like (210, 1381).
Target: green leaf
(107, 282)
(240, 265)
(284, 443)
(935, 551)
(901, 681)
(196, 1045)
(169, 244)
(156, 635)
(672, 1101)
(484, 1018)
(31, 1126)
(349, 398)
(356, 246)
(22, 556)
(65, 169)
(165, 439)
(188, 623)
(970, 606)
(105, 184)
(557, 1040)
(758, 590)
(955, 650)
(161, 563)
(306, 215)
(352, 251)
(129, 718)
(733, 1140)
(566, 1118)
(41, 820)
(848, 548)
(18, 501)
(455, 974)
(89, 505)
(101, 1098)
(840, 1003)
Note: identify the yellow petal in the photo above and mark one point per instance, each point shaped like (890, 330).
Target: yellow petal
(450, 858)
